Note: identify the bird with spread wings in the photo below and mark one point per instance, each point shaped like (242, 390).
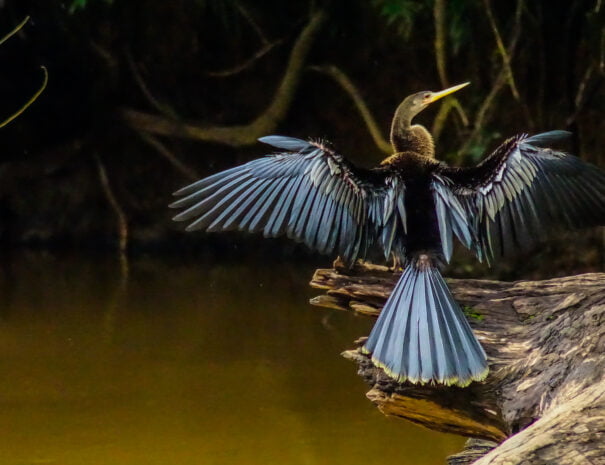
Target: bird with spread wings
(410, 207)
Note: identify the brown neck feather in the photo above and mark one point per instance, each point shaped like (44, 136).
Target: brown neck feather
(414, 139)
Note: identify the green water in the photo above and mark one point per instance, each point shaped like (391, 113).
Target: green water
(185, 363)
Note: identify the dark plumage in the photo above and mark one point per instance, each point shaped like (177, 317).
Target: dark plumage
(410, 208)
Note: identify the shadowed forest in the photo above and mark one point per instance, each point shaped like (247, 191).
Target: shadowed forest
(144, 97)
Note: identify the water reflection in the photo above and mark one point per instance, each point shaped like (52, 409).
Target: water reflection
(190, 363)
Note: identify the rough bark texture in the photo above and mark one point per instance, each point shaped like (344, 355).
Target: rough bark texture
(544, 399)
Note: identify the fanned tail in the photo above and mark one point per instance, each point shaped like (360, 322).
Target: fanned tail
(422, 336)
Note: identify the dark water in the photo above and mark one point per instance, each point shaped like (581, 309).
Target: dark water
(186, 363)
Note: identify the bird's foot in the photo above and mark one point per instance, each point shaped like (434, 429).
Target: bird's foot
(339, 264)
(397, 264)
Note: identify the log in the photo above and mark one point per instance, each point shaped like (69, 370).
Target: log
(544, 399)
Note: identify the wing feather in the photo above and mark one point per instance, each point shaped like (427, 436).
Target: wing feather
(307, 192)
(522, 192)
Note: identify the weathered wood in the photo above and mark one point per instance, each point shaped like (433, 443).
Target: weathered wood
(544, 399)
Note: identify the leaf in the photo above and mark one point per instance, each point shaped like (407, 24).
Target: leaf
(82, 4)
(400, 13)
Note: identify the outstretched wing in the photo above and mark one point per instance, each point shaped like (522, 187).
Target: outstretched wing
(307, 192)
(523, 191)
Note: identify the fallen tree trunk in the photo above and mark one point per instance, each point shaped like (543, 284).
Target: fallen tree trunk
(544, 399)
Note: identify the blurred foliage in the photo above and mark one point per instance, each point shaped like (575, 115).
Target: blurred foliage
(81, 4)
(401, 13)
(460, 27)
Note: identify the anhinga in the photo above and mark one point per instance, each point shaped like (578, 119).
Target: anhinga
(409, 207)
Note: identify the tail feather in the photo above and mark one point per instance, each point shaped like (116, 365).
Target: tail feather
(465, 342)
(422, 335)
(446, 360)
(390, 331)
(400, 333)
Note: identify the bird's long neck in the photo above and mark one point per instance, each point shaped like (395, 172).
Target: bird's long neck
(409, 138)
(412, 139)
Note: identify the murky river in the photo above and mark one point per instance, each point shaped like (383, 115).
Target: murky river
(188, 362)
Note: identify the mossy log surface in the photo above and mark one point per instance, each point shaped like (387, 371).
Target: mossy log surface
(544, 399)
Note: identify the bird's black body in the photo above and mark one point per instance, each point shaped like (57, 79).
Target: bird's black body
(409, 208)
(422, 226)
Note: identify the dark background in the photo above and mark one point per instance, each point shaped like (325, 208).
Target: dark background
(74, 171)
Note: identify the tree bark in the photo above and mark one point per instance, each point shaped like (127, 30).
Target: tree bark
(544, 399)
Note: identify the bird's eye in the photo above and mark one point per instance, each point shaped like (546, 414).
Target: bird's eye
(427, 96)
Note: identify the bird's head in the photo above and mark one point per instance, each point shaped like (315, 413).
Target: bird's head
(417, 102)
(404, 136)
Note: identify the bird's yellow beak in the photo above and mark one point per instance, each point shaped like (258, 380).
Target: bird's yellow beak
(450, 90)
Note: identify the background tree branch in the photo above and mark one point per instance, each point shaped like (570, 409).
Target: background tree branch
(239, 135)
(487, 107)
(347, 85)
(440, 45)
